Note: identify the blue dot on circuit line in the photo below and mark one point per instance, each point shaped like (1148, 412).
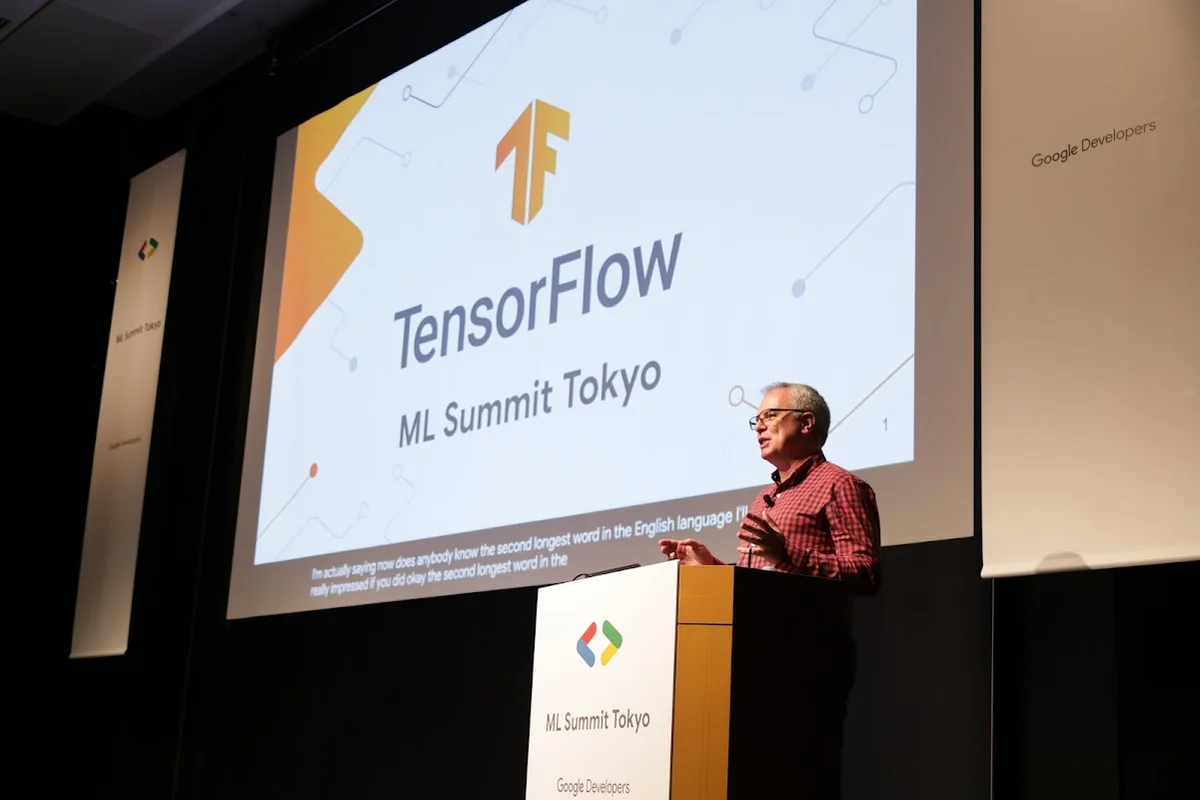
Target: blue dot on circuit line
(798, 288)
(807, 84)
(353, 364)
(676, 35)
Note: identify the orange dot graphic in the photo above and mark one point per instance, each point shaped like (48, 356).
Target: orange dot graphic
(312, 471)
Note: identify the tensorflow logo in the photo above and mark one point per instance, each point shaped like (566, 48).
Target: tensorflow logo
(148, 248)
(583, 646)
(532, 156)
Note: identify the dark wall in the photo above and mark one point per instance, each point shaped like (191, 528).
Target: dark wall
(1097, 691)
(1092, 688)
(63, 195)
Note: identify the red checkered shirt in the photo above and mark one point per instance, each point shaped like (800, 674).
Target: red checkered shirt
(830, 523)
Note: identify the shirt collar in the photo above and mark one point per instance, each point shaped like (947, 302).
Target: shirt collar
(801, 472)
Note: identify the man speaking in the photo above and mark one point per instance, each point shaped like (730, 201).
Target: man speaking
(814, 519)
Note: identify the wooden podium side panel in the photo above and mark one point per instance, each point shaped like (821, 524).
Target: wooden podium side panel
(703, 658)
(705, 596)
(700, 748)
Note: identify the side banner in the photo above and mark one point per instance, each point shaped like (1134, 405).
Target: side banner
(603, 686)
(1090, 284)
(114, 515)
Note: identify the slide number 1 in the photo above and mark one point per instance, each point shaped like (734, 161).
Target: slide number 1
(885, 424)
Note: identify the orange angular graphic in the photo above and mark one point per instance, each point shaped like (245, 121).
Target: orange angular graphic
(321, 242)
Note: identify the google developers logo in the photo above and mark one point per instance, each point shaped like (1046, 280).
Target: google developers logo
(583, 646)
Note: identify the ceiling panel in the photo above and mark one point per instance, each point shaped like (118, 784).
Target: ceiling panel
(200, 61)
(18, 10)
(15, 12)
(142, 56)
(62, 58)
(162, 18)
(203, 59)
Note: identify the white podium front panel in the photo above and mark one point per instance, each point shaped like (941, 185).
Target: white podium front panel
(603, 686)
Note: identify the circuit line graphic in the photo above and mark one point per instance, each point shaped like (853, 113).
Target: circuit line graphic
(801, 284)
(398, 474)
(363, 510)
(407, 93)
(737, 394)
(871, 393)
(352, 361)
(867, 101)
(599, 15)
(312, 473)
(405, 158)
(677, 34)
(737, 397)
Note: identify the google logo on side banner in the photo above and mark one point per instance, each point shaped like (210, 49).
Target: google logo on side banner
(148, 248)
(583, 646)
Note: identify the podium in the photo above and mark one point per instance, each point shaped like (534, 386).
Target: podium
(688, 683)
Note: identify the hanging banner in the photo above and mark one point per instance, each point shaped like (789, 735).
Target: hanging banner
(1090, 276)
(114, 515)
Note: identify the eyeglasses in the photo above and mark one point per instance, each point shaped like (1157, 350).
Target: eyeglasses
(769, 415)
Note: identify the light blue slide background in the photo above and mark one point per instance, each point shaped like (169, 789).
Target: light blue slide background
(778, 138)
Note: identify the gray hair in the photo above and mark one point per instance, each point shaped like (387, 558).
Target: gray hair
(805, 398)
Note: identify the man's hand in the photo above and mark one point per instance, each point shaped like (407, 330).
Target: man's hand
(687, 551)
(763, 537)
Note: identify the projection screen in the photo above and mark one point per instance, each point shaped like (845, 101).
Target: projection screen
(521, 298)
